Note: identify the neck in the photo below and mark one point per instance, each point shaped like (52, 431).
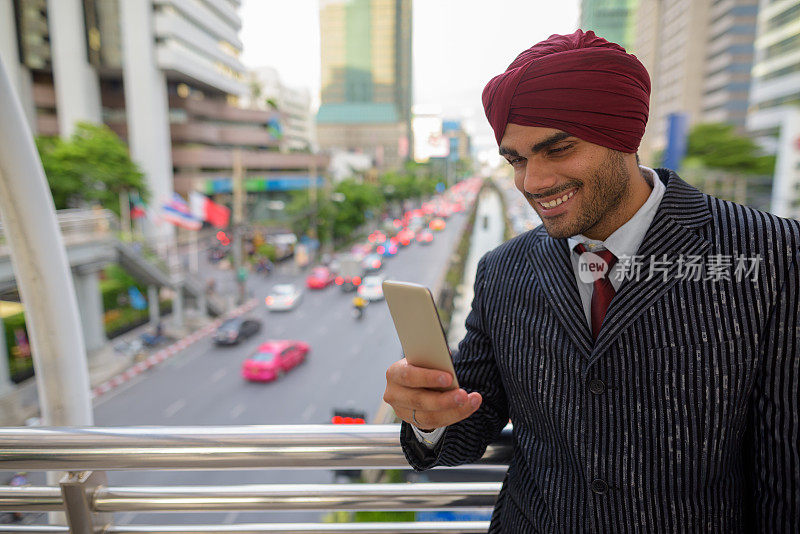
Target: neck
(641, 186)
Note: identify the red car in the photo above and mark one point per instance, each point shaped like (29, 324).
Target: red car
(405, 236)
(437, 224)
(425, 237)
(320, 278)
(272, 359)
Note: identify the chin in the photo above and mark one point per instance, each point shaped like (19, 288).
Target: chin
(557, 232)
(560, 229)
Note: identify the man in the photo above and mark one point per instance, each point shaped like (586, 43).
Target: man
(644, 341)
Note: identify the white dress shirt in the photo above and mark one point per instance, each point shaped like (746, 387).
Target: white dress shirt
(625, 241)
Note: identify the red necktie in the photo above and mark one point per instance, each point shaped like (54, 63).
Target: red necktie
(603, 290)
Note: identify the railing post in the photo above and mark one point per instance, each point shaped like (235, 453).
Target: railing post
(77, 489)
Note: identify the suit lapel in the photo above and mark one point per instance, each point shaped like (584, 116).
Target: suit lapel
(682, 209)
(552, 266)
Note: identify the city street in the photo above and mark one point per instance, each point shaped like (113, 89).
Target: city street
(345, 370)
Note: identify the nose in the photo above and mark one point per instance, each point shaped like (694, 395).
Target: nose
(539, 177)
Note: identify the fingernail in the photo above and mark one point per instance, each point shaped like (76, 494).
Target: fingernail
(444, 380)
(474, 402)
(458, 398)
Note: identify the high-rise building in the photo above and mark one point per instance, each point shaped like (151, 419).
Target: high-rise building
(699, 55)
(729, 60)
(774, 113)
(366, 78)
(610, 19)
(671, 41)
(165, 75)
(297, 122)
(776, 71)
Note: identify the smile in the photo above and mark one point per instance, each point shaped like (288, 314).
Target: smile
(558, 201)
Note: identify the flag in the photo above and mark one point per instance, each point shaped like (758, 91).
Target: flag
(207, 210)
(138, 302)
(138, 209)
(177, 212)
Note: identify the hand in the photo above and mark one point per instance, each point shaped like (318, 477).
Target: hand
(409, 388)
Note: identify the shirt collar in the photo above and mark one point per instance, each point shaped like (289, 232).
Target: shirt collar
(626, 239)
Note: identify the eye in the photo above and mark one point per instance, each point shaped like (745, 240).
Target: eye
(514, 162)
(559, 149)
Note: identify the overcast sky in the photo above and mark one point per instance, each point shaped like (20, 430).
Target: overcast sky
(459, 45)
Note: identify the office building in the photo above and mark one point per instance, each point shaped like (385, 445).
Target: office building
(671, 41)
(774, 114)
(610, 19)
(776, 71)
(366, 78)
(729, 61)
(165, 75)
(297, 123)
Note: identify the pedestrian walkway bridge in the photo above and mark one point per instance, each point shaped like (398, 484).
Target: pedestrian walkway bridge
(91, 243)
(85, 454)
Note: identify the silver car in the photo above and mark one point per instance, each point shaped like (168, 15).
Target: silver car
(371, 288)
(283, 297)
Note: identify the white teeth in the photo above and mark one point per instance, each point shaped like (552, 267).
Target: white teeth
(556, 202)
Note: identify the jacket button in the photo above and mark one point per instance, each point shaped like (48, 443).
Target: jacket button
(597, 386)
(599, 486)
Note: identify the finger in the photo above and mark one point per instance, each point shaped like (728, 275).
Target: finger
(425, 399)
(405, 374)
(441, 418)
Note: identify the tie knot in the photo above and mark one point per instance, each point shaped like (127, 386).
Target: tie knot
(605, 254)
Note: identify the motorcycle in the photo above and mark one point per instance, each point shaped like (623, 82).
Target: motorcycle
(358, 308)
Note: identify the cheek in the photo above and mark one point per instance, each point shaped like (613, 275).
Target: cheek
(519, 180)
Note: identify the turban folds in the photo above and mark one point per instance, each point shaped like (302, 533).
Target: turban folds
(580, 84)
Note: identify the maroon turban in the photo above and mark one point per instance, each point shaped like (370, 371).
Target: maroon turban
(580, 84)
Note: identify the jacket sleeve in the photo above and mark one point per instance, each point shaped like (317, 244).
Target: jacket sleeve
(466, 441)
(773, 448)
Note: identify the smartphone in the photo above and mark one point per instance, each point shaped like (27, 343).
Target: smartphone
(418, 327)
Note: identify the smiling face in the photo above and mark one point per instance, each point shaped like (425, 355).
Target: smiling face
(575, 186)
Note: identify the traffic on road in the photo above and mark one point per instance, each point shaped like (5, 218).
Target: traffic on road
(252, 381)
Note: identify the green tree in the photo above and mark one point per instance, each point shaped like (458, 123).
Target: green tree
(718, 146)
(339, 217)
(93, 165)
(351, 213)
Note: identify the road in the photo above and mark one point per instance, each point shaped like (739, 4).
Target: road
(202, 385)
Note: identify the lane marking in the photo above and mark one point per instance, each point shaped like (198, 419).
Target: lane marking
(173, 408)
(308, 412)
(237, 410)
(217, 376)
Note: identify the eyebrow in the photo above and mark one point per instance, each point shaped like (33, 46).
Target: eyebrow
(538, 147)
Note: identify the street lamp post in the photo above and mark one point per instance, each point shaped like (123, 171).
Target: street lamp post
(238, 220)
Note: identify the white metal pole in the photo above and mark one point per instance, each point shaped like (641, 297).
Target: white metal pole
(194, 254)
(43, 274)
(125, 214)
(5, 374)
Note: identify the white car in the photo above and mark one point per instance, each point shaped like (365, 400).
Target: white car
(371, 289)
(283, 297)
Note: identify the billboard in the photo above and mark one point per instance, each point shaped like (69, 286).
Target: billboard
(428, 139)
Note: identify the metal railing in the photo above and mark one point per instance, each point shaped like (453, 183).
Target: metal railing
(78, 226)
(87, 500)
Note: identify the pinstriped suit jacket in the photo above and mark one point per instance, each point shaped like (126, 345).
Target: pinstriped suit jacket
(694, 425)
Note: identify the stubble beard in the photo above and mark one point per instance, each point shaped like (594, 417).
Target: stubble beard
(606, 192)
